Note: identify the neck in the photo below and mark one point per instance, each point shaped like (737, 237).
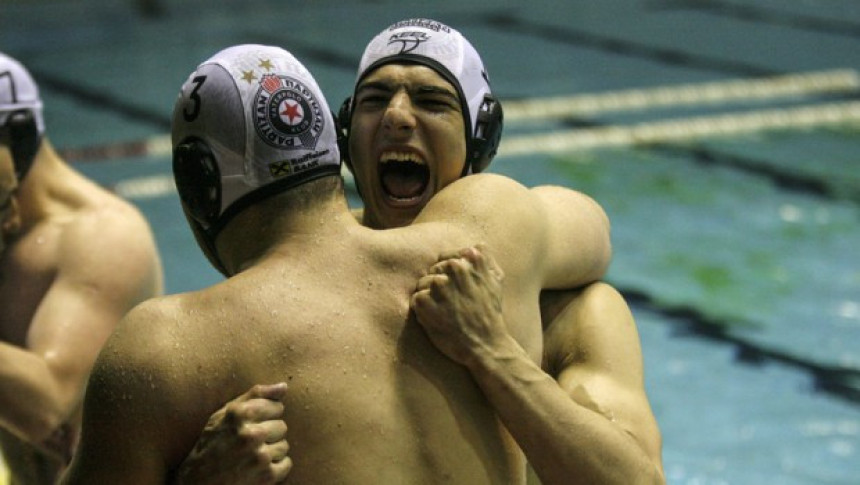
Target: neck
(43, 186)
(317, 211)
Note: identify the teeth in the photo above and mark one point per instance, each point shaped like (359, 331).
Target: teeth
(400, 157)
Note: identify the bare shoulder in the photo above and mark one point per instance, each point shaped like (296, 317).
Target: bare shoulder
(143, 335)
(480, 186)
(155, 352)
(144, 384)
(111, 220)
(556, 194)
(487, 196)
(135, 360)
(110, 243)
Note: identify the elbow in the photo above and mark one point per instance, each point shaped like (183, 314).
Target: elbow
(606, 255)
(601, 265)
(656, 478)
(44, 426)
(601, 237)
(601, 260)
(49, 431)
(650, 473)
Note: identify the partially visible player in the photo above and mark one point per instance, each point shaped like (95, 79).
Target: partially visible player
(74, 258)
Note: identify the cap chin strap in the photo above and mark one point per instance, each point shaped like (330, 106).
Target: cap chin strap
(209, 234)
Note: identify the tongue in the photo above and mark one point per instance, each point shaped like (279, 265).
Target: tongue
(402, 181)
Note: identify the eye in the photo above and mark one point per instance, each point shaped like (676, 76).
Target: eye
(436, 103)
(372, 100)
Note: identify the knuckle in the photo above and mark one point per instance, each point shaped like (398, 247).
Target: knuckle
(262, 459)
(234, 412)
(250, 435)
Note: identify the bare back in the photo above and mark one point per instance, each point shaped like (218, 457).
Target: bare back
(367, 386)
(371, 400)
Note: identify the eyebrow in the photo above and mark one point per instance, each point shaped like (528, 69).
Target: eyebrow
(422, 89)
(382, 86)
(438, 90)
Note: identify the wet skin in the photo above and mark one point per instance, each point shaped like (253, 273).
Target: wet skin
(407, 141)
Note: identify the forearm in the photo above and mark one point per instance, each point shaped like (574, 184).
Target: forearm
(564, 442)
(31, 404)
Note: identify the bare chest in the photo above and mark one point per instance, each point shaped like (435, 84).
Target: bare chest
(27, 269)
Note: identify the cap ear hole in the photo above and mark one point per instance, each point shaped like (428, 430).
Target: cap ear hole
(24, 140)
(198, 180)
(488, 133)
(342, 124)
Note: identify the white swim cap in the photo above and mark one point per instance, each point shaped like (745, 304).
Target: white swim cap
(18, 91)
(265, 124)
(20, 113)
(445, 50)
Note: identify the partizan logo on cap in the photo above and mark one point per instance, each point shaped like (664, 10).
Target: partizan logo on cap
(287, 114)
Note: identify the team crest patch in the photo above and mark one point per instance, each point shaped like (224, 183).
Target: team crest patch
(287, 114)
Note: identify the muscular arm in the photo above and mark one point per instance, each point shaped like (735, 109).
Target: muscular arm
(141, 411)
(592, 351)
(98, 279)
(593, 424)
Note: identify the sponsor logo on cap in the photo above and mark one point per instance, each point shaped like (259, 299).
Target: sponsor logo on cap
(421, 23)
(409, 41)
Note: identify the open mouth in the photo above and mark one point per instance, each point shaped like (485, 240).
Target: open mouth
(403, 177)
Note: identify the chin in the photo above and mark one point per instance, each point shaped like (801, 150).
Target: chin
(397, 219)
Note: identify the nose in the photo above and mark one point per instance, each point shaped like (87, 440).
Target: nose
(399, 118)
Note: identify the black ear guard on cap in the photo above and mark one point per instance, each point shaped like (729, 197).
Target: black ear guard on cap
(198, 181)
(341, 124)
(488, 134)
(483, 144)
(25, 139)
(341, 127)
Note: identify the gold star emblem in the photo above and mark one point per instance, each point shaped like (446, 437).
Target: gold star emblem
(248, 76)
(266, 64)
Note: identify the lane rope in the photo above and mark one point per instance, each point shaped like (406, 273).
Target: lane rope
(804, 84)
(554, 108)
(682, 129)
